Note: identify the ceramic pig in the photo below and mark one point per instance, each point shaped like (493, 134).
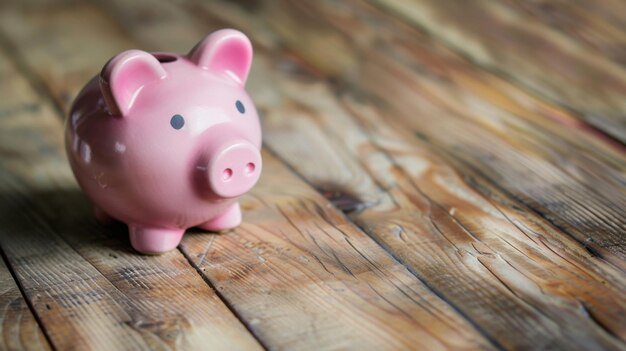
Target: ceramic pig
(164, 142)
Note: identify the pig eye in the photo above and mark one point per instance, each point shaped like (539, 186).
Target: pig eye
(240, 107)
(177, 121)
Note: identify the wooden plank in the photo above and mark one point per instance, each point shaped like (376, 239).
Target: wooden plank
(306, 278)
(580, 21)
(501, 264)
(519, 143)
(300, 275)
(384, 33)
(528, 52)
(18, 327)
(88, 289)
(293, 138)
(611, 11)
(66, 48)
(534, 286)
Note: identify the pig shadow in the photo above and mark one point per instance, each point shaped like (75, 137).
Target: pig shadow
(51, 217)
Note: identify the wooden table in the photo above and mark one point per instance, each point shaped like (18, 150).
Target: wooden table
(438, 175)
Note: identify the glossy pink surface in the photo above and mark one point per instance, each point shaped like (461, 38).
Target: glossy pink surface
(164, 142)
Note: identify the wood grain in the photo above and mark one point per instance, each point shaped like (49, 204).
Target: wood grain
(88, 289)
(490, 272)
(531, 53)
(583, 22)
(612, 11)
(528, 148)
(493, 240)
(297, 269)
(305, 278)
(501, 265)
(470, 183)
(18, 327)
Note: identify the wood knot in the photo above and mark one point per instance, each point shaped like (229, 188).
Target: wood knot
(344, 200)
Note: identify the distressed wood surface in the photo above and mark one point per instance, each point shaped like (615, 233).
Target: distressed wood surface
(88, 289)
(582, 22)
(520, 144)
(304, 277)
(286, 139)
(480, 209)
(20, 330)
(337, 277)
(534, 54)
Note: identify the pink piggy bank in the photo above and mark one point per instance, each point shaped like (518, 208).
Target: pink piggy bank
(164, 142)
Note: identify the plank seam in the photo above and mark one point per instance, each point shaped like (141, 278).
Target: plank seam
(224, 300)
(592, 251)
(44, 92)
(206, 279)
(392, 254)
(9, 51)
(28, 302)
(595, 132)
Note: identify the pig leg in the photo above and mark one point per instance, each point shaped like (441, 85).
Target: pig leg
(102, 216)
(154, 240)
(227, 220)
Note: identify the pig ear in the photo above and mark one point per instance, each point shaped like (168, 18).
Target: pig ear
(225, 51)
(124, 76)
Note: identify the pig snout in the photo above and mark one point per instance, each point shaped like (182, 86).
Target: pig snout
(234, 169)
